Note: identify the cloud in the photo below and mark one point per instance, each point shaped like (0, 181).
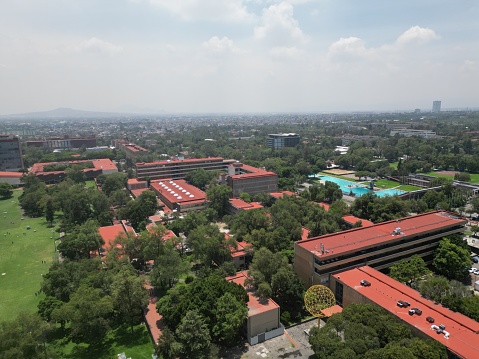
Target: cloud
(417, 34)
(216, 44)
(286, 52)
(348, 45)
(95, 45)
(469, 66)
(210, 10)
(279, 26)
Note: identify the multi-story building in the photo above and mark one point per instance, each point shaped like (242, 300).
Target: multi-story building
(10, 153)
(132, 151)
(178, 195)
(243, 178)
(63, 143)
(281, 140)
(98, 166)
(407, 132)
(436, 106)
(380, 245)
(427, 320)
(179, 169)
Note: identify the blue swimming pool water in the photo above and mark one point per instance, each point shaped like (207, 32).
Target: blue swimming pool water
(348, 186)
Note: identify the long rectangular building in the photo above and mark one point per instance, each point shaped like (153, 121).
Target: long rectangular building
(179, 169)
(243, 178)
(458, 333)
(10, 153)
(379, 246)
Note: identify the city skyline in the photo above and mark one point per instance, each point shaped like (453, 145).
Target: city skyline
(237, 56)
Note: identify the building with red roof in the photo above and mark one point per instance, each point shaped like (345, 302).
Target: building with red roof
(132, 151)
(100, 166)
(458, 333)
(12, 178)
(243, 178)
(179, 195)
(237, 205)
(352, 220)
(380, 245)
(263, 321)
(179, 169)
(110, 233)
(281, 194)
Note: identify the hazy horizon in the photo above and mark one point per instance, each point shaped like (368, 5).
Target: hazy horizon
(238, 56)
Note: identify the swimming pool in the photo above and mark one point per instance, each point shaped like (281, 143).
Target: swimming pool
(347, 187)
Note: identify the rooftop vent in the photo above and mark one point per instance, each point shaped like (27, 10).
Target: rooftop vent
(191, 196)
(365, 283)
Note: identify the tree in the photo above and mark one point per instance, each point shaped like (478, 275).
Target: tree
(141, 208)
(49, 212)
(194, 336)
(451, 260)
(6, 191)
(218, 197)
(113, 182)
(169, 267)
(87, 311)
(462, 176)
(129, 295)
(200, 178)
(230, 317)
(288, 290)
(409, 271)
(81, 241)
(168, 347)
(210, 246)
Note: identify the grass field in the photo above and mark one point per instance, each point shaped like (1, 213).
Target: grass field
(386, 184)
(474, 176)
(394, 165)
(90, 184)
(21, 254)
(408, 188)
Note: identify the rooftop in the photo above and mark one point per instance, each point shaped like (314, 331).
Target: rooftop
(363, 237)
(172, 162)
(99, 164)
(281, 194)
(109, 233)
(11, 174)
(240, 204)
(178, 191)
(255, 306)
(352, 220)
(386, 292)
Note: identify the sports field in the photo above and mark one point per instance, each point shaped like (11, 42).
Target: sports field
(25, 254)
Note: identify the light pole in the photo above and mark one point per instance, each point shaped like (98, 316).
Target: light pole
(54, 244)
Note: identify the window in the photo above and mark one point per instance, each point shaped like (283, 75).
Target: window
(339, 293)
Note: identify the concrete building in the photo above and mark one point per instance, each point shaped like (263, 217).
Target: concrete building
(179, 169)
(458, 333)
(243, 178)
(282, 140)
(10, 153)
(263, 321)
(12, 178)
(179, 195)
(407, 132)
(380, 245)
(100, 166)
(132, 151)
(436, 106)
(238, 205)
(63, 143)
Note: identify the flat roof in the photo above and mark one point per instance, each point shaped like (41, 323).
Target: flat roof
(11, 174)
(254, 305)
(352, 220)
(281, 194)
(172, 162)
(178, 191)
(109, 233)
(240, 204)
(101, 163)
(386, 292)
(363, 237)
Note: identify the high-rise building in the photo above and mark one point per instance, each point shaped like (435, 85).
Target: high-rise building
(436, 106)
(281, 140)
(10, 153)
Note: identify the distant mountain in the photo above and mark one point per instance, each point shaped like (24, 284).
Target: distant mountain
(66, 113)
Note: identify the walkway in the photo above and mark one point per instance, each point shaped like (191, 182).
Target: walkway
(153, 319)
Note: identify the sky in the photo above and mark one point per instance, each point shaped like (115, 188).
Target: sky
(238, 56)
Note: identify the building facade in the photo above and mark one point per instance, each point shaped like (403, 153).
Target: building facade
(282, 140)
(436, 106)
(243, 178)
(10, 153)
(63, 143)
(132, 151)
(379, 246)
(179, 169)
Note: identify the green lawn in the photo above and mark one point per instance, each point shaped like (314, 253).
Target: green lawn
(386, 184)
(408, 188)
(90, 184)
(394, 165)
(474, 176)
(21, 255)
(120, 340)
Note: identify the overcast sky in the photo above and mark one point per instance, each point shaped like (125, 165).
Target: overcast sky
(238, 55)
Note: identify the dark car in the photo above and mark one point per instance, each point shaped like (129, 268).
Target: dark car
(365, 283)
(430, 319)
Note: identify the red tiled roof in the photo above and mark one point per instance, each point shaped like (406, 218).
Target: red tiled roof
(304, 233)
(281, 194)
(353, 220)
(363, 237)
(101, 163)
(178, 191)
(240, 204)
(324, 205)
(385, 291)
(254, 305)
(173, 162)
(11, 174)
(251, 172)
(137, 192)
(109, 233)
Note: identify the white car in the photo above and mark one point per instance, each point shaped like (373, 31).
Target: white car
(471, 270)
(475, 271)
